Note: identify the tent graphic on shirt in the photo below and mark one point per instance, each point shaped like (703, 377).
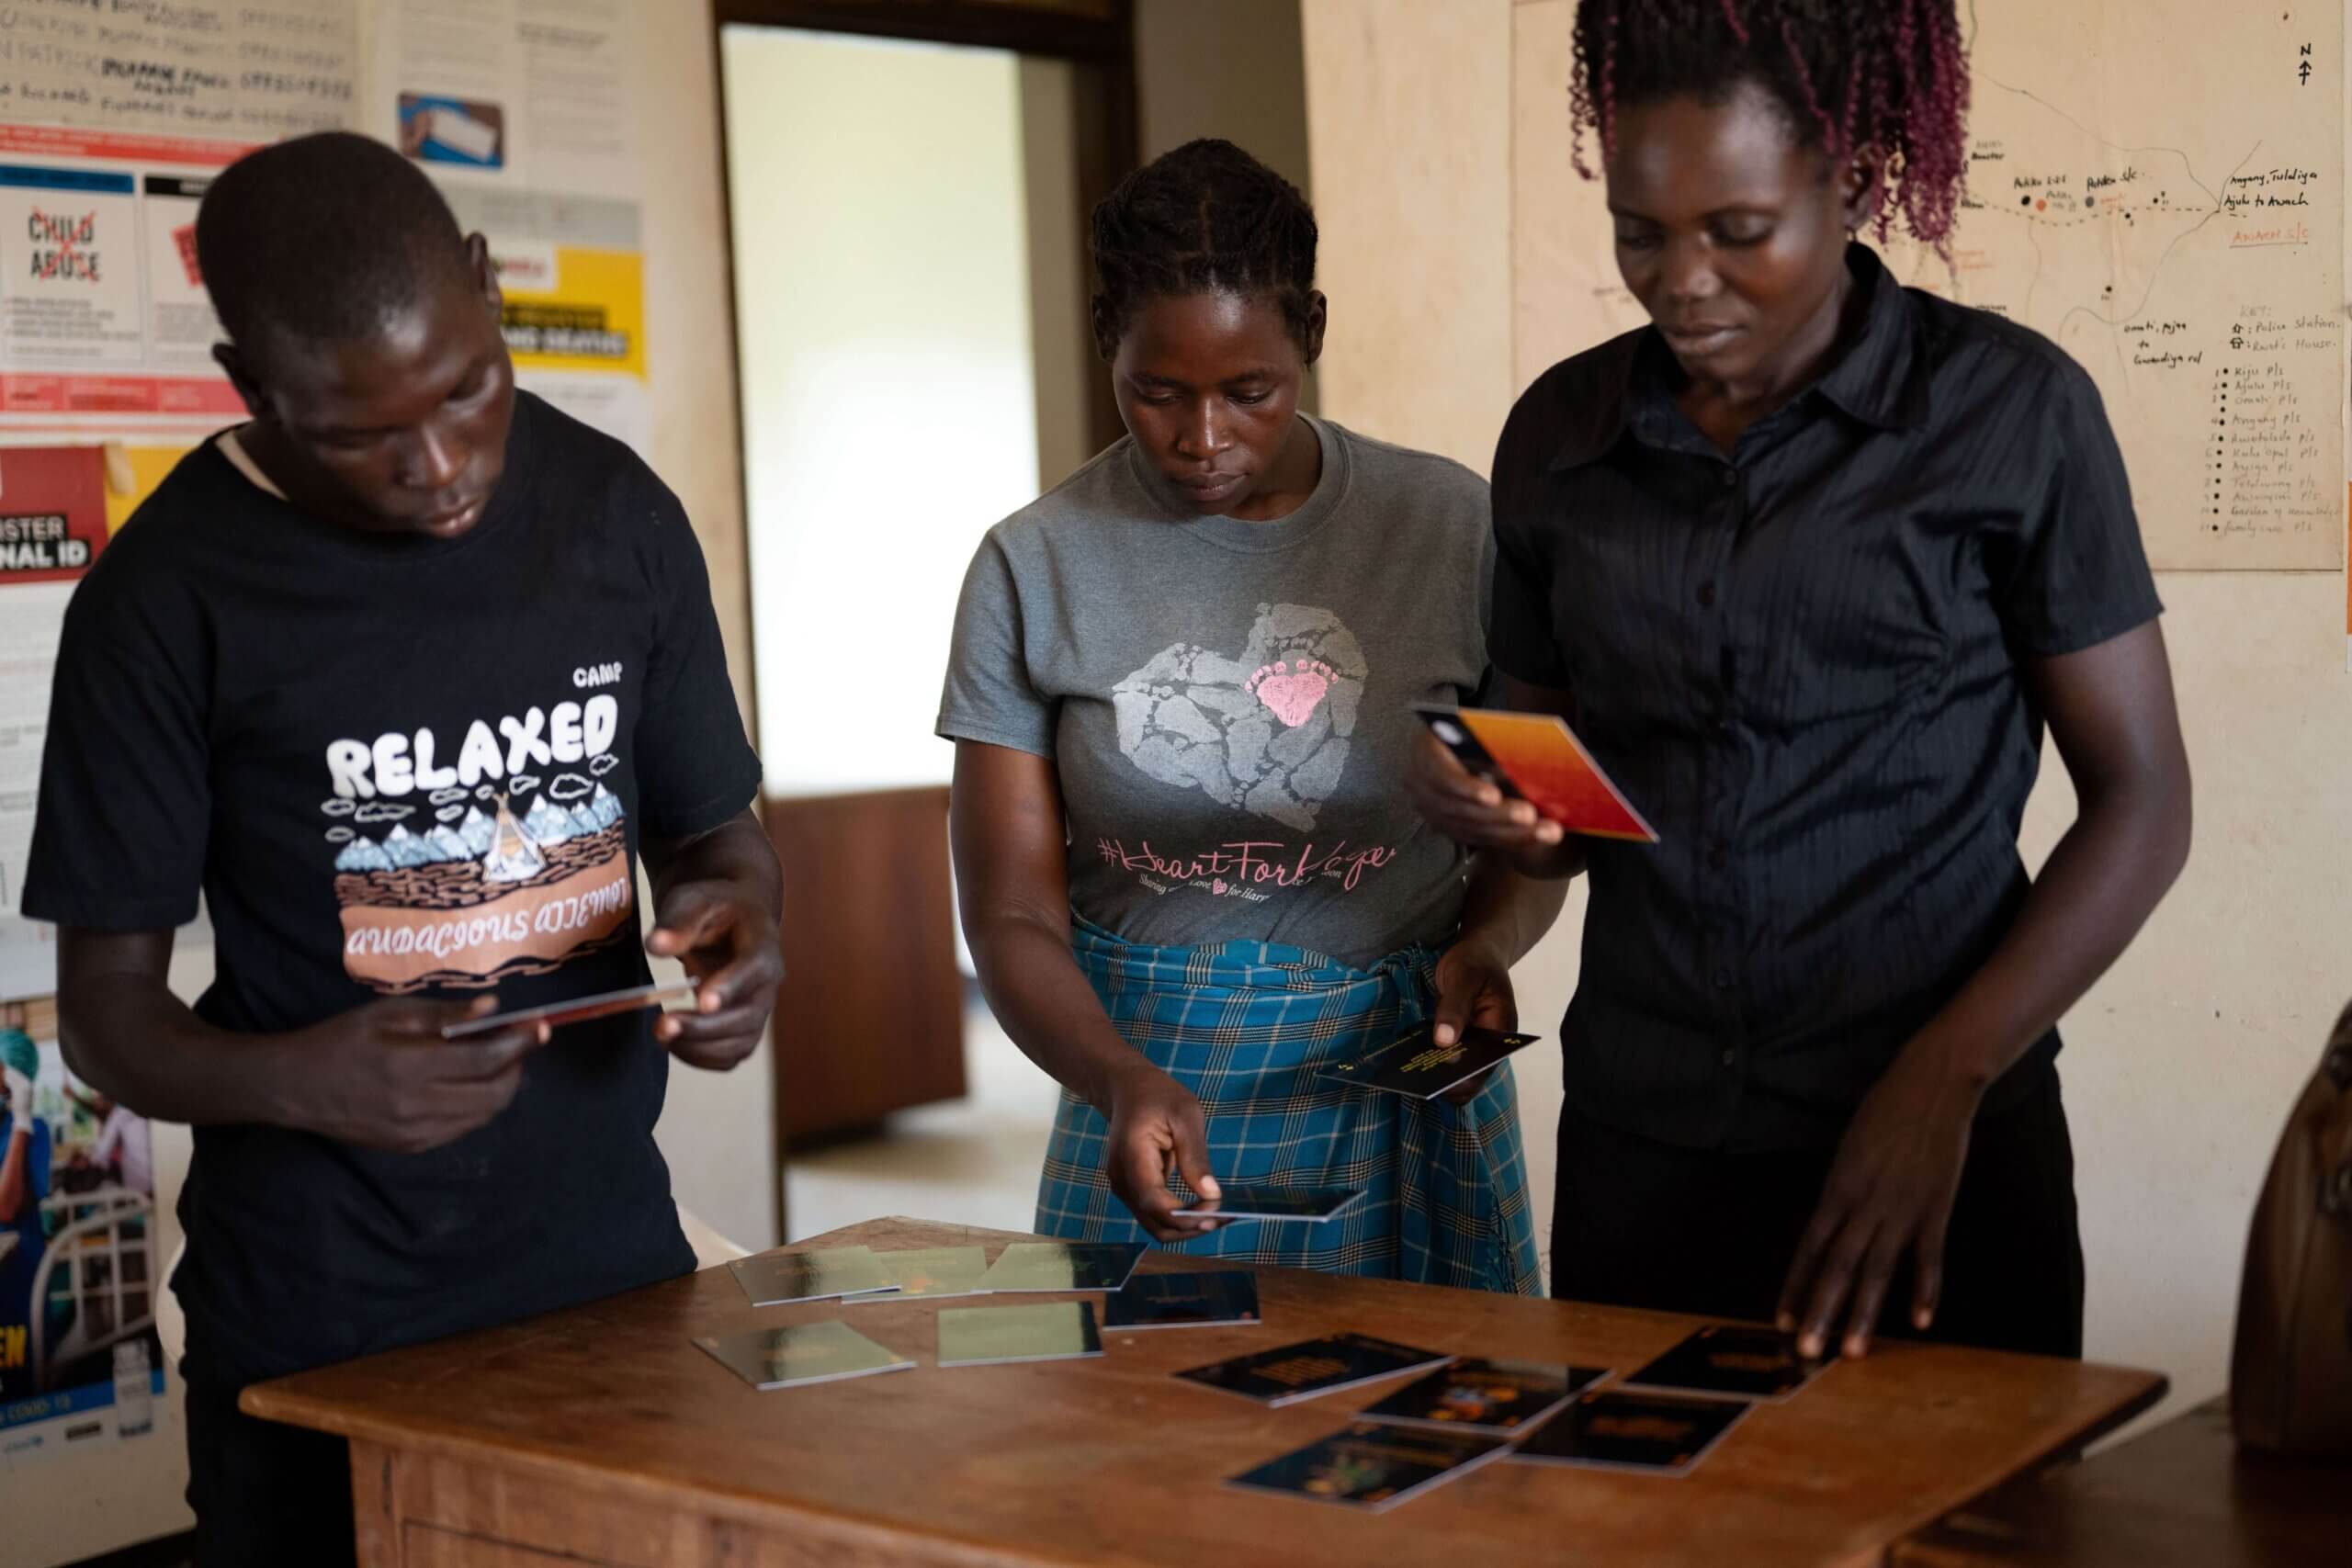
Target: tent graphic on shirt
(512, 855)
(489, 895)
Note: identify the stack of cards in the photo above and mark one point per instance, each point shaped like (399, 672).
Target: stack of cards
(1373, 1467)
(1047, 1331)
(1289, 1373)
(1062, 1266)
(1184, 1301)
(1415, 1066)
(780, 1278)
(804, 1353)
(1478, 1395)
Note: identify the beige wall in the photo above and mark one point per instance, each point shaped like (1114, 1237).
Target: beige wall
(2181, 1063)
(1409, 117)
(1228, 68)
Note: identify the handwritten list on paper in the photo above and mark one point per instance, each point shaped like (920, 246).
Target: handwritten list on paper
(2157, 187)
(235, 69)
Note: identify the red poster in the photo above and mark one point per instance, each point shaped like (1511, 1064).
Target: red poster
(53, 511)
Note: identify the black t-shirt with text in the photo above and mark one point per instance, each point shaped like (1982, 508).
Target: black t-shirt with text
(400, 766)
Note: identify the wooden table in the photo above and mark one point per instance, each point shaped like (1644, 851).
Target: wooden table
(2180, 1496)
(601, 1435)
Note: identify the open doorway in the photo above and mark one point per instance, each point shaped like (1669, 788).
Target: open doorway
(908, 253)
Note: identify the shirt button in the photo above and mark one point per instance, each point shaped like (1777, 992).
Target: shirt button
(1706, 593)
(1722, 979)
(1731, 1057)
(1731, 476)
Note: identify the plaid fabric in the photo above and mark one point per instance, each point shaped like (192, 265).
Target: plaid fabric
(1243, 1024)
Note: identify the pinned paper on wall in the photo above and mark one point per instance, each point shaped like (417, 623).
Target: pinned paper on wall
(104, 320)
(573, 278)
(532, 91)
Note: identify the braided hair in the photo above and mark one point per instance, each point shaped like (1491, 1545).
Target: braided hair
(1206, 217)
(1886, 79)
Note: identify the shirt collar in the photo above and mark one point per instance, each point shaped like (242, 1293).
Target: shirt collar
(1874, 381)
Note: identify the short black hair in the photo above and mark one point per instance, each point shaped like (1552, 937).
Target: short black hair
(1206, 217)
(323, 238)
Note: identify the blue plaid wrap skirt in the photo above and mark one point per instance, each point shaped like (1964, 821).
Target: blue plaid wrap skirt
(1244, 1025)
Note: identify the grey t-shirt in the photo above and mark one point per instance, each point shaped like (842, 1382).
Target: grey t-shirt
(1228, 703)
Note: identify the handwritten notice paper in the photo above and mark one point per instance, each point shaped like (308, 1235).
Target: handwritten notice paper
(236, 70)
(2155, 185)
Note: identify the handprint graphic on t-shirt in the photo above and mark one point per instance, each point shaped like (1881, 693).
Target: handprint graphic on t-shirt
(1267, 731)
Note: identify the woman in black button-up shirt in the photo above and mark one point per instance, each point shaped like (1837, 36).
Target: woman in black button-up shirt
(1810, 562)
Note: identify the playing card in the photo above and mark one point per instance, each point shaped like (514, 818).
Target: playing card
(1661, 1433)
(1288, 1373)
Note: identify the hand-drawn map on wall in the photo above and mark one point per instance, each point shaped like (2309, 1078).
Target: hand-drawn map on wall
(2156, 185)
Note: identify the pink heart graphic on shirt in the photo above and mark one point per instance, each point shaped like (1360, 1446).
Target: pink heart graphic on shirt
(1294, 698)
(1267, 732)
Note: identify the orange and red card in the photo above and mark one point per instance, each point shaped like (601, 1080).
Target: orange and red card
(1538, 757)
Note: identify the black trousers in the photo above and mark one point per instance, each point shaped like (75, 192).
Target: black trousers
(263, 1494)
(1643, 1224)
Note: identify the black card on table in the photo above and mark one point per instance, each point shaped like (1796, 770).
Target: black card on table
(1371, 1466)
(1415, 1066)
(1288, 1373)
(1479, 1395)
(1183, 1300)
(1664, 1434)
(1736, 1360)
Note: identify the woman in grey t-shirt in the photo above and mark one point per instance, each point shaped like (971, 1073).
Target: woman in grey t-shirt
(1180, 691)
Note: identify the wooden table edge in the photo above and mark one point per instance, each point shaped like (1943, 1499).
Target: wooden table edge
(759, 1510)
(2159, 1385)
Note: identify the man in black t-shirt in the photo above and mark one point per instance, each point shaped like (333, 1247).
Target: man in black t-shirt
(403, 675)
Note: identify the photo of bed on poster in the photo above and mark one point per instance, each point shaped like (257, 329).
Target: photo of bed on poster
(81, 1258)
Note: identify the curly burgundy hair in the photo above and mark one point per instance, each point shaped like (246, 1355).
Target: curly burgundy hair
(1887, 79)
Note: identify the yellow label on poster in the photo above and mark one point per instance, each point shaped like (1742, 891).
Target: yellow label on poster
(143, 468)
(591, 316)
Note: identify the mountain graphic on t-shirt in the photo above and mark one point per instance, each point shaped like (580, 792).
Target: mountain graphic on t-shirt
(547, 823)
(363, 854)
(508, 848)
